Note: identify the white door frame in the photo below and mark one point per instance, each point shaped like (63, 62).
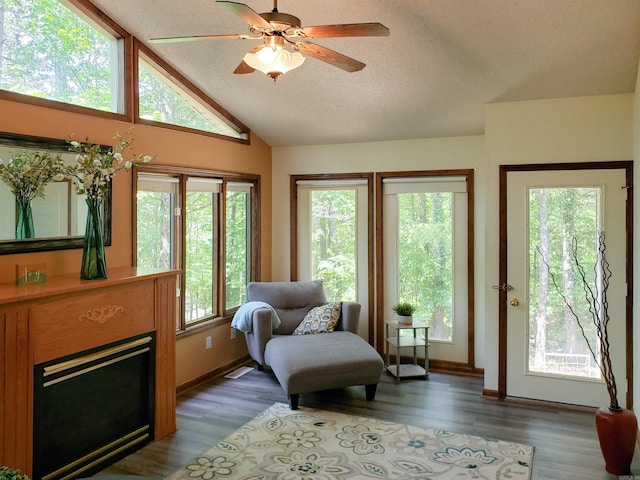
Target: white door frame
(503, 274)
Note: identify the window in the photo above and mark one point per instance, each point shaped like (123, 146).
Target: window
(180, 223)
(557, 217)
(427, 242)
(201, 214)
(334, 237)
(238, 242)
(425, 258)
(333, 241)
(161, 99)
(52, 51)
(157, 198)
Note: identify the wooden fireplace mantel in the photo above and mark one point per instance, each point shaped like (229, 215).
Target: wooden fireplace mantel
(67, 315)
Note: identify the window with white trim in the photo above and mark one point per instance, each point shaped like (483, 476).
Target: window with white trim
(426, 256)
(333, 241)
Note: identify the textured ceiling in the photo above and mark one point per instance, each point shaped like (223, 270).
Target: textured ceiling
(443, 62)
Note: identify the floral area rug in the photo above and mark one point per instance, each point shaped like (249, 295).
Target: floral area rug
(310, 444)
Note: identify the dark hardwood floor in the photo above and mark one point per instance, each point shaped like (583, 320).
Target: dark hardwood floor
(565, 441)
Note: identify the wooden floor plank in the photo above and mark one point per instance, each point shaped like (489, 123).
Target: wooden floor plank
(566, 446)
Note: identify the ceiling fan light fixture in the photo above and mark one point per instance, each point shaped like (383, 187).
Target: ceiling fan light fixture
(274, 60)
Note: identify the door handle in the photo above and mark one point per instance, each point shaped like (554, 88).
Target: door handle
(514, 302)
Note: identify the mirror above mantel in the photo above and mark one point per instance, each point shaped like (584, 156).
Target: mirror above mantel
(59, 217)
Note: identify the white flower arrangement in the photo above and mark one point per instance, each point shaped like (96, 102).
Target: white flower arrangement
(95, 167)
(27, 172)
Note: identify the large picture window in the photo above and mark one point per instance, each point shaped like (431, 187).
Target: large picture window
(333, 238)
(50, 50)
(425, 255)
(184, 221)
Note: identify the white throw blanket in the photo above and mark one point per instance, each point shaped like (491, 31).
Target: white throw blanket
(243, 318)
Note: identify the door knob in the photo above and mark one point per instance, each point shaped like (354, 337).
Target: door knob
(514, 302)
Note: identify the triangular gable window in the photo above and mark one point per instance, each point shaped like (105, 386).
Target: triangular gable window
(161, 99)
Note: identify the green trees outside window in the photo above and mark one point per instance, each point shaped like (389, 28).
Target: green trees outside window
(182, 230)
(155, 229)
(49, 51)
(238, 246)
(199, 265)
(556, 215)
(333, 242)
(425, 257)
(164, 101)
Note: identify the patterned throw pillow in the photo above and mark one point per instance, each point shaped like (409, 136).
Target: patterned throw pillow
(322, 319)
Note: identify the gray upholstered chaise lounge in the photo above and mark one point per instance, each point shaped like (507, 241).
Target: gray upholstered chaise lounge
(312, 362)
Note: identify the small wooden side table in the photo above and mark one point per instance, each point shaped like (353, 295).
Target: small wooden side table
(417, 339)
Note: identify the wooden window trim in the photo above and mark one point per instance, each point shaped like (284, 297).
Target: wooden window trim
(183, 82)
(183, 173)
(132, 47)
(468, 367)
(293, 195)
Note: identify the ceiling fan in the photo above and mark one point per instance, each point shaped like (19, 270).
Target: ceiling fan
(285, 40)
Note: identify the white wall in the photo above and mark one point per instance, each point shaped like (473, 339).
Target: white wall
(405, 155)
(580, 129)
(558, 130)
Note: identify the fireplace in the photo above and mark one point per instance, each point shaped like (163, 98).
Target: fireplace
(93, 408)
(49, 324)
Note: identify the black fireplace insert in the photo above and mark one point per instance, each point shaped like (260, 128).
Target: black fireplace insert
(93, 408)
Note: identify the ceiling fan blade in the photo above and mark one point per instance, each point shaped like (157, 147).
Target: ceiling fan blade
(329, 56)
(243, 68)
(194, 38)
(246, 13)
(346, 30)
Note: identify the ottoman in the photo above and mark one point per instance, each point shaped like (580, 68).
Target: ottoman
(323, 361)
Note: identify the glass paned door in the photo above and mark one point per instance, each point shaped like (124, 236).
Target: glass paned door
(548, 215)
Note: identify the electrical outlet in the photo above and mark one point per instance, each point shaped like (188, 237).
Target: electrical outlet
(233, 333)
(208, 342)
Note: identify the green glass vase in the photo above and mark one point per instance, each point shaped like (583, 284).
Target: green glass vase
(24, 224)
(94, 265)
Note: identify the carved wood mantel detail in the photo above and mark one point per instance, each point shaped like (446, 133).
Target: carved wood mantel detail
(101, 315)
(43, 322)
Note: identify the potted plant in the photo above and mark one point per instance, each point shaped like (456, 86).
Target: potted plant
(404, 312)
(616, 427)
(7, 473)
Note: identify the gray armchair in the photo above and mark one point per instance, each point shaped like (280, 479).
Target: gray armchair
(291, 301)
(305, 363)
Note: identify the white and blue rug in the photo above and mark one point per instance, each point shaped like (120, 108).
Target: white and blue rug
(310, 444)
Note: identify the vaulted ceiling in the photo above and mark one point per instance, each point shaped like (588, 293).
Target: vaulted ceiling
(432, 77)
